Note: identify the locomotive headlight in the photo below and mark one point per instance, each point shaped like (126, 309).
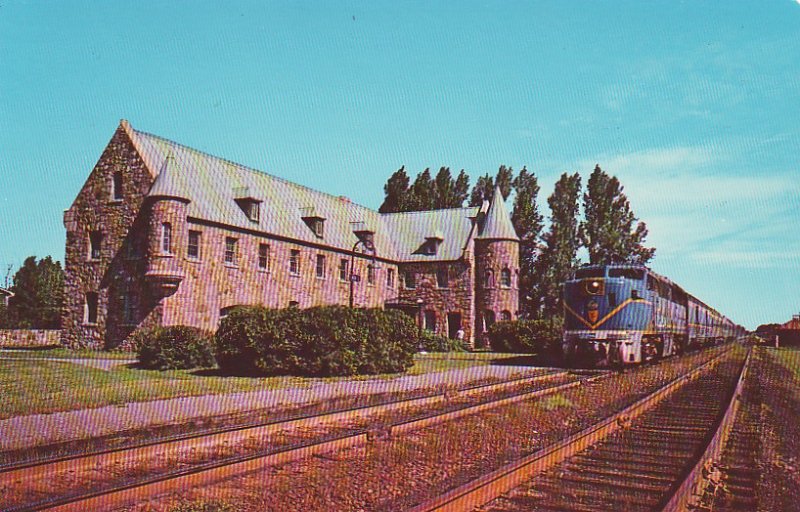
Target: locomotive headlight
(594, 287)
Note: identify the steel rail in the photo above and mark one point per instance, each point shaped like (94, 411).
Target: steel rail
(204, 474)
(680, 498)
(498, 482)
(77, 461)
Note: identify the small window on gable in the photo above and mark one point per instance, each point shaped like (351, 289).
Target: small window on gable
(90, 311)
(95, 244)
(116, 186)
(441, 277)
(505, 278)
(431, 245)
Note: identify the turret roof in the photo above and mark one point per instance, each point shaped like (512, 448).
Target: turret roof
(497, 223)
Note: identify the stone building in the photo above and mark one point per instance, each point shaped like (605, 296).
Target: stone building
(162, 234)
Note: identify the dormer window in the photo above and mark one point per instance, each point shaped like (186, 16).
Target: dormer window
(314, 221)
(250, 205)
(365, 236)
(431, 245)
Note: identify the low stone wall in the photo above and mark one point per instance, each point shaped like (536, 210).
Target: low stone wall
(29, 337)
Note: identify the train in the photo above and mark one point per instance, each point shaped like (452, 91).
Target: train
(617, 315)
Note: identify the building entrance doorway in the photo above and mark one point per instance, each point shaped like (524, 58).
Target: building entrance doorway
(453, 324)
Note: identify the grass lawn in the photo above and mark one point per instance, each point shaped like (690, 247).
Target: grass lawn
(43, 385)
(790, 358)
(64, 353)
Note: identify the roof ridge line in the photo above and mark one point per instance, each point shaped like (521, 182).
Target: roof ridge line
(255, 171)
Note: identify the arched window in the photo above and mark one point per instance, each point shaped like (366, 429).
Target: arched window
(505, 316)
(166, 238)
(488, 279)
(488, 319)
(505, 278)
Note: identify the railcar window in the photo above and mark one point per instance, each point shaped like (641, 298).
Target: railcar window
(589, 272)
(627, 273)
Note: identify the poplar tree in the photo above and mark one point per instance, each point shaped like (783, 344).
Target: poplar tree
(422, 193)
(483, 190)
(527, 223)
(504, 180)
(559, 257)
(461, 189)
(608, 231)
(396, 192)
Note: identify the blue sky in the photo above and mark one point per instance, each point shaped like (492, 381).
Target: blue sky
(693, 105)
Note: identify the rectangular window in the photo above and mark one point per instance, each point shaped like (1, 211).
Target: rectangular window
(128, 309)
(294, 262)
(193, 247)
(95, 244)
(441, 277)
(90, 313)
(370, 274)
(116, 186)
(430, 320)
(166, 238)
(263, 256)
(410, 280)
(320, 266)
(231, 250)
(343, 270)
(390, 277)
(254, 211)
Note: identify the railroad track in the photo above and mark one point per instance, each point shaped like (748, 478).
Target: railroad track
(650, 456)
(137, 489)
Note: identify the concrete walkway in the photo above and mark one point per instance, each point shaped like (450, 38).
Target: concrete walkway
(39, 429)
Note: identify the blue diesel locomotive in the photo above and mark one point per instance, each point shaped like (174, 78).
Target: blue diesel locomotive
(627, 314)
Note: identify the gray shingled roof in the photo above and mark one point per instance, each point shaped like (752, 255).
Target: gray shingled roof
(497, 223)
(211, 185)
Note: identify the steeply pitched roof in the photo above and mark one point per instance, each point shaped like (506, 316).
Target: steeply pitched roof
(211, 184)
(171, 182)
(497, 224)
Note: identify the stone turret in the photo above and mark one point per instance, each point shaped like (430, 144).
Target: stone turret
(496, 267)
(167, 232)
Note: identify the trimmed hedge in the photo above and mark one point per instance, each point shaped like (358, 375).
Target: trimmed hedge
(319, 341)
(174, 348)
(431, 342)
(540, 337)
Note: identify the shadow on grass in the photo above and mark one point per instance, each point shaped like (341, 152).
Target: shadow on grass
(30, 348)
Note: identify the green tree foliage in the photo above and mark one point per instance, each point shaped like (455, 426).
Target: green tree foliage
(608, 231)
(561, 242)
(396, 191)
(422, 194)
(449, 193)
(483, 190)
(504, 180)
(527, 223)
(540, 337)
(38, 295)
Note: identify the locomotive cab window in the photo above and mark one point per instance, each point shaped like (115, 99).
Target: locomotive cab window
(627, 273)
(589, 272)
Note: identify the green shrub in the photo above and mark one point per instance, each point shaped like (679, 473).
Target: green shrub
(174, 347)
(540, 337)
(431, 342)
(319, 341)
